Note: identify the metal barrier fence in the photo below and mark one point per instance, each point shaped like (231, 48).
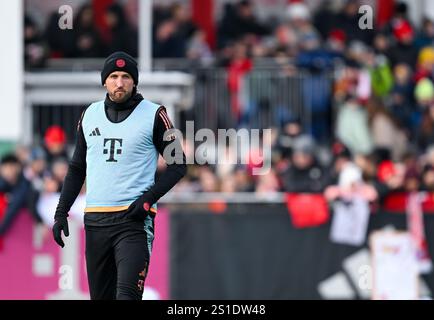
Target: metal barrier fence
(58, 98)
(267, 97)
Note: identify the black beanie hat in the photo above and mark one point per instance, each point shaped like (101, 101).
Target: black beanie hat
(120, 61)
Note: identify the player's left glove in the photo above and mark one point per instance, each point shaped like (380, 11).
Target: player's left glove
(142, 206)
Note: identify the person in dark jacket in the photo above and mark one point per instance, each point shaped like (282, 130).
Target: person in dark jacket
(15, 186)
(122, 36)
(304, 175)
(88, 43)
(239, 20)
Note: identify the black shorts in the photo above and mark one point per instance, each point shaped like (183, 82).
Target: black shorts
(117, 259)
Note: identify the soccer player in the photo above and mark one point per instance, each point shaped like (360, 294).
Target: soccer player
(119, 140)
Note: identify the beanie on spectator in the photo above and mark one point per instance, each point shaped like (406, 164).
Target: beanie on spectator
(120, 61)
(297, 10)
(426, 55)
(402, 29)
(9, 158)
(54, 134)
(424, 90)
(304, 144)
(339, 150)
(338, 35)
(386, 170)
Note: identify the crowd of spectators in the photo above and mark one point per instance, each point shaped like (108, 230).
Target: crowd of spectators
(84, 40)
(382, 110)
(30, 172)
(382, 115)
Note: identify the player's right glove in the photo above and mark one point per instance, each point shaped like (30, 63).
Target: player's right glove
(60, 223)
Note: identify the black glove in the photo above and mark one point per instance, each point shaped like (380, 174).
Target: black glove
(61, 223)
(140, 208)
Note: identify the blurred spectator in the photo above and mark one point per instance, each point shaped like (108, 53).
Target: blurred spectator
(424, 94)
(238, 21)
(228, 184)
(208, 180)
(346, 178)
(425, 136)
(55, 144)
(290, 131)
(228, 161)
(15, 186)
(352, 127)
(380, 73)
(167, 42)
(341, 155)
(243, 181)
(425, 37)
(318, 62)
(428, 178)
(390, 177)
(267, 184)
(412, 180)
(381, 43)
(348, 21)
(367, 165)
(351, 185)
(190, 182)
(305, 174)
(325, 18)
(35, 172)
(258, 159)
(400, 14)
(364, 58)
(425, 64)
(404, 51)
(122, 36)
(385, 133)
(35, 51)
(336, 42)
(346, 82)
(60, 41)
(198, 48)
(175, 35)
(10, 171)
(238, 67)
(23, 153)
(185, 26)
(88, 43)
(284, 42)
(53, 182)
(36, 168)
(299, 17)
(428, 170)
(401, 101)
(160, 13)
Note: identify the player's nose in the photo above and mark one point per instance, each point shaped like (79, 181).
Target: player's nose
(119, 83)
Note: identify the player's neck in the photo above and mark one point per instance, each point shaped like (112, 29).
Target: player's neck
(131, 102)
